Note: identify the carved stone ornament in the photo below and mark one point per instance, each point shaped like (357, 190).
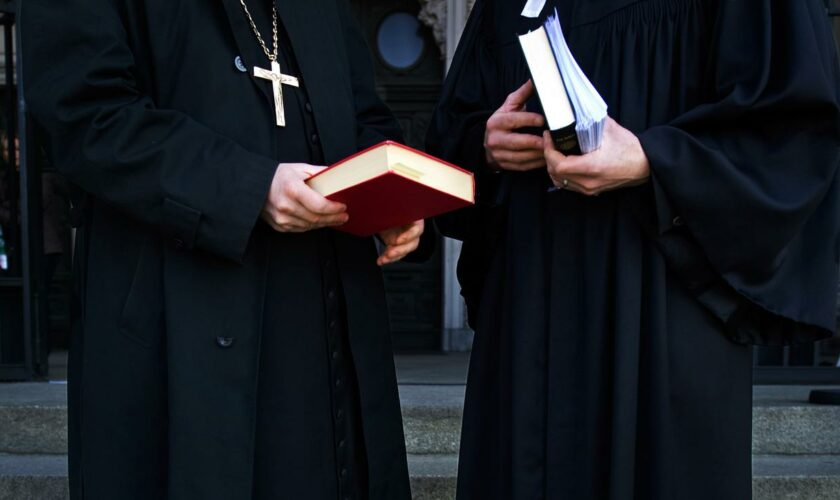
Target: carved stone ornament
(433, 15)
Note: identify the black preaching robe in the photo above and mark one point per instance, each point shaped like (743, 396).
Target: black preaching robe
(214, 358)
(612, 356)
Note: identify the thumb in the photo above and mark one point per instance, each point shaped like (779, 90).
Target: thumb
(520, 96)
(306, 171)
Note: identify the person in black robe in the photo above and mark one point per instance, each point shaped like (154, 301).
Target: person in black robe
(612, 356)
(228, 345)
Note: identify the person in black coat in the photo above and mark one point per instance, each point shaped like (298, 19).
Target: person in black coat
(228, 344)
(614, 317)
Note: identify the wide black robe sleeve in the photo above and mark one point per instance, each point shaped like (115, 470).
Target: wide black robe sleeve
(460, 121)
(157, 165)
(762, 153)
(456, 134)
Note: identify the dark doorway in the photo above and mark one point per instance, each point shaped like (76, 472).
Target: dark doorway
(409, 74)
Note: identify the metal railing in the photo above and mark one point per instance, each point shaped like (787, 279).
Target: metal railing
(20, 202)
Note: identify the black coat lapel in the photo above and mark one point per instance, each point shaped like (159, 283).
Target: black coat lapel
(249, 49)
(318, 44)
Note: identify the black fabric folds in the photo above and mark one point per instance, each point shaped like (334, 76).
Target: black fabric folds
(611, 357)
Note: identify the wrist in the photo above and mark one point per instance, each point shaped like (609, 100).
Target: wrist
(641, 162)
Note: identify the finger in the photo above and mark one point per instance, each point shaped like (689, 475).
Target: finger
(572, 165)
(527, 166)
(515, 141)
(397, 253)
(389, 237)
(308, 170)
(514, 158)
(269, 219)
(568, 184)
(285, 223)
(561, 165)
(582, 185)
(294, 213)
(314, 202)
(519, 119)
(330, 221)
(394, 253)
(548, 143)
(553, 158)
(401, 235)
(520, 96)
(412, 232)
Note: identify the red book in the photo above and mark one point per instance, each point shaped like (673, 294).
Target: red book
(391, 185)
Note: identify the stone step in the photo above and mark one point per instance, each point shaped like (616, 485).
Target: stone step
(33, 419)
(33, 477)
(783, 422)
(432, 418)
(44, 477)
(786, 477)
(432, 476)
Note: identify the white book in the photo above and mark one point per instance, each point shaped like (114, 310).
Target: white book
(574, 110)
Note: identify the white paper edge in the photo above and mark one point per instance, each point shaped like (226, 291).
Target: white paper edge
(533, 8)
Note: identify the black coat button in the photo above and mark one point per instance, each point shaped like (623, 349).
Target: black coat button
(333, 324)
(335, 354)
(338, 383)
(225, 342)
(179, 244)
(331, 295)
(308, 107)
(315, 138)
(341, 443)
(343, 473)
(340, 414)
(678, 221)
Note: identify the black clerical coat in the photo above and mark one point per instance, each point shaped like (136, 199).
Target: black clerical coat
(612, 355)
(146, 109)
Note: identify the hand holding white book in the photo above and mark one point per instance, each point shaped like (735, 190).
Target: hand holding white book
(574, 109)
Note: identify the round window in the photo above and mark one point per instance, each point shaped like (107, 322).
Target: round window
(399, 40)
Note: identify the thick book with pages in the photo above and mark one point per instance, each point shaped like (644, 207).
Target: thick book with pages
(574, 110)
(391, 185)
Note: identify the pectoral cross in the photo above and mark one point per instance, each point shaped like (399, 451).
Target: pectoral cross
(278, 79)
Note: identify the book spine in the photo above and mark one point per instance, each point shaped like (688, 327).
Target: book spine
(566, 140)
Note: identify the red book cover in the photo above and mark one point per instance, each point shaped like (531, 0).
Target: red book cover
(392, 199)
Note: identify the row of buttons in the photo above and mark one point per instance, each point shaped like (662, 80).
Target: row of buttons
(334, 340)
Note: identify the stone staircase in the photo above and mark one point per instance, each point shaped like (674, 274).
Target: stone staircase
(796, 446)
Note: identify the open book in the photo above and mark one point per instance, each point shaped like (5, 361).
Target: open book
(574, 110)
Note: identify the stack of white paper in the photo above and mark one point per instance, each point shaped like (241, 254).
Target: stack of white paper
(589, 107)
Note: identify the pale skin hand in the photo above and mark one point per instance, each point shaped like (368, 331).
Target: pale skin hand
(400, 241)
(621, 162)
(293, 207)
(504, 148)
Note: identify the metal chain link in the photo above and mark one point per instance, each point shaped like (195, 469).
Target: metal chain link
(271, 57)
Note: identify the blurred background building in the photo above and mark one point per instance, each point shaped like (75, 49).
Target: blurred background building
(796, 445)
(412, 43)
